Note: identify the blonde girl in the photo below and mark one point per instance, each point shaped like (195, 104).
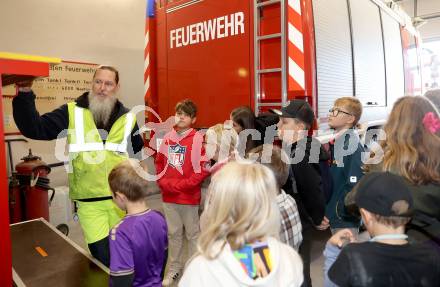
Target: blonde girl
(243, 217)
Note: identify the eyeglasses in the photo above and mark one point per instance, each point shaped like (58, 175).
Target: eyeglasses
(335, 112)
(107, 84)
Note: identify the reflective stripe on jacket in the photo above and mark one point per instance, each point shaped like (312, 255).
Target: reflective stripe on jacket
(90, 159)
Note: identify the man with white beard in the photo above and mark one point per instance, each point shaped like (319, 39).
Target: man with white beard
(101, 132)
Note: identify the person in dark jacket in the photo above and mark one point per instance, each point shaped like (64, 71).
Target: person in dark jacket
(98, 112)
(388, 258)
(346, 162)
(304, 182)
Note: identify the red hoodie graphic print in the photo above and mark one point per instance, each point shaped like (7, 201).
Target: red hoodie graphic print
(181, 167)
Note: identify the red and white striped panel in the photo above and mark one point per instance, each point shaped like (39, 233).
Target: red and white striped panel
(147, 69)
(295, 47)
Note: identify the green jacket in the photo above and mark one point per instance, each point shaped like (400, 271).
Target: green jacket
(344, 178)
(91, 160)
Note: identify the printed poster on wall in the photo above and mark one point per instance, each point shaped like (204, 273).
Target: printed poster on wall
(66, 82)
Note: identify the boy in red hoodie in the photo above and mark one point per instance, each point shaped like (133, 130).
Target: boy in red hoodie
(180, 170)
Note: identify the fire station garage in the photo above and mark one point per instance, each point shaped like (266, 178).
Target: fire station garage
(220, 143)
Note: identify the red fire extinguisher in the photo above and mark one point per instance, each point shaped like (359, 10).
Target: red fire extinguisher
(28, 190)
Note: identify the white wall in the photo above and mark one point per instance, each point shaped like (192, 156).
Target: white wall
(97, 31)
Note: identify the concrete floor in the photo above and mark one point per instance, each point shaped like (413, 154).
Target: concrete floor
(155, 202)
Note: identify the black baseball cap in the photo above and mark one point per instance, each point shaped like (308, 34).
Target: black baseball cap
(385, 194)
(297, 109)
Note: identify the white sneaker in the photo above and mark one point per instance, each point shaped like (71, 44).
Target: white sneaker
(170, 278)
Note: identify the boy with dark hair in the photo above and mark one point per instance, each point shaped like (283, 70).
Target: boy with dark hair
(187, 107)
(290, 231)
(304, 182)
(139, 241)
(385, 204)
(181, 170)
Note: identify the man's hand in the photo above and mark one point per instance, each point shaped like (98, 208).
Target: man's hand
(324, 224)
(342, 238)
(25, 85)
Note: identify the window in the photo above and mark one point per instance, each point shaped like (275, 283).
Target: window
(431, 64)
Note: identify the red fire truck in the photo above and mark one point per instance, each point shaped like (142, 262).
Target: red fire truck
(263, 53)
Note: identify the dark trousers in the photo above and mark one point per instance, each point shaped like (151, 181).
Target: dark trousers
(101, 251)
(304, 251)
